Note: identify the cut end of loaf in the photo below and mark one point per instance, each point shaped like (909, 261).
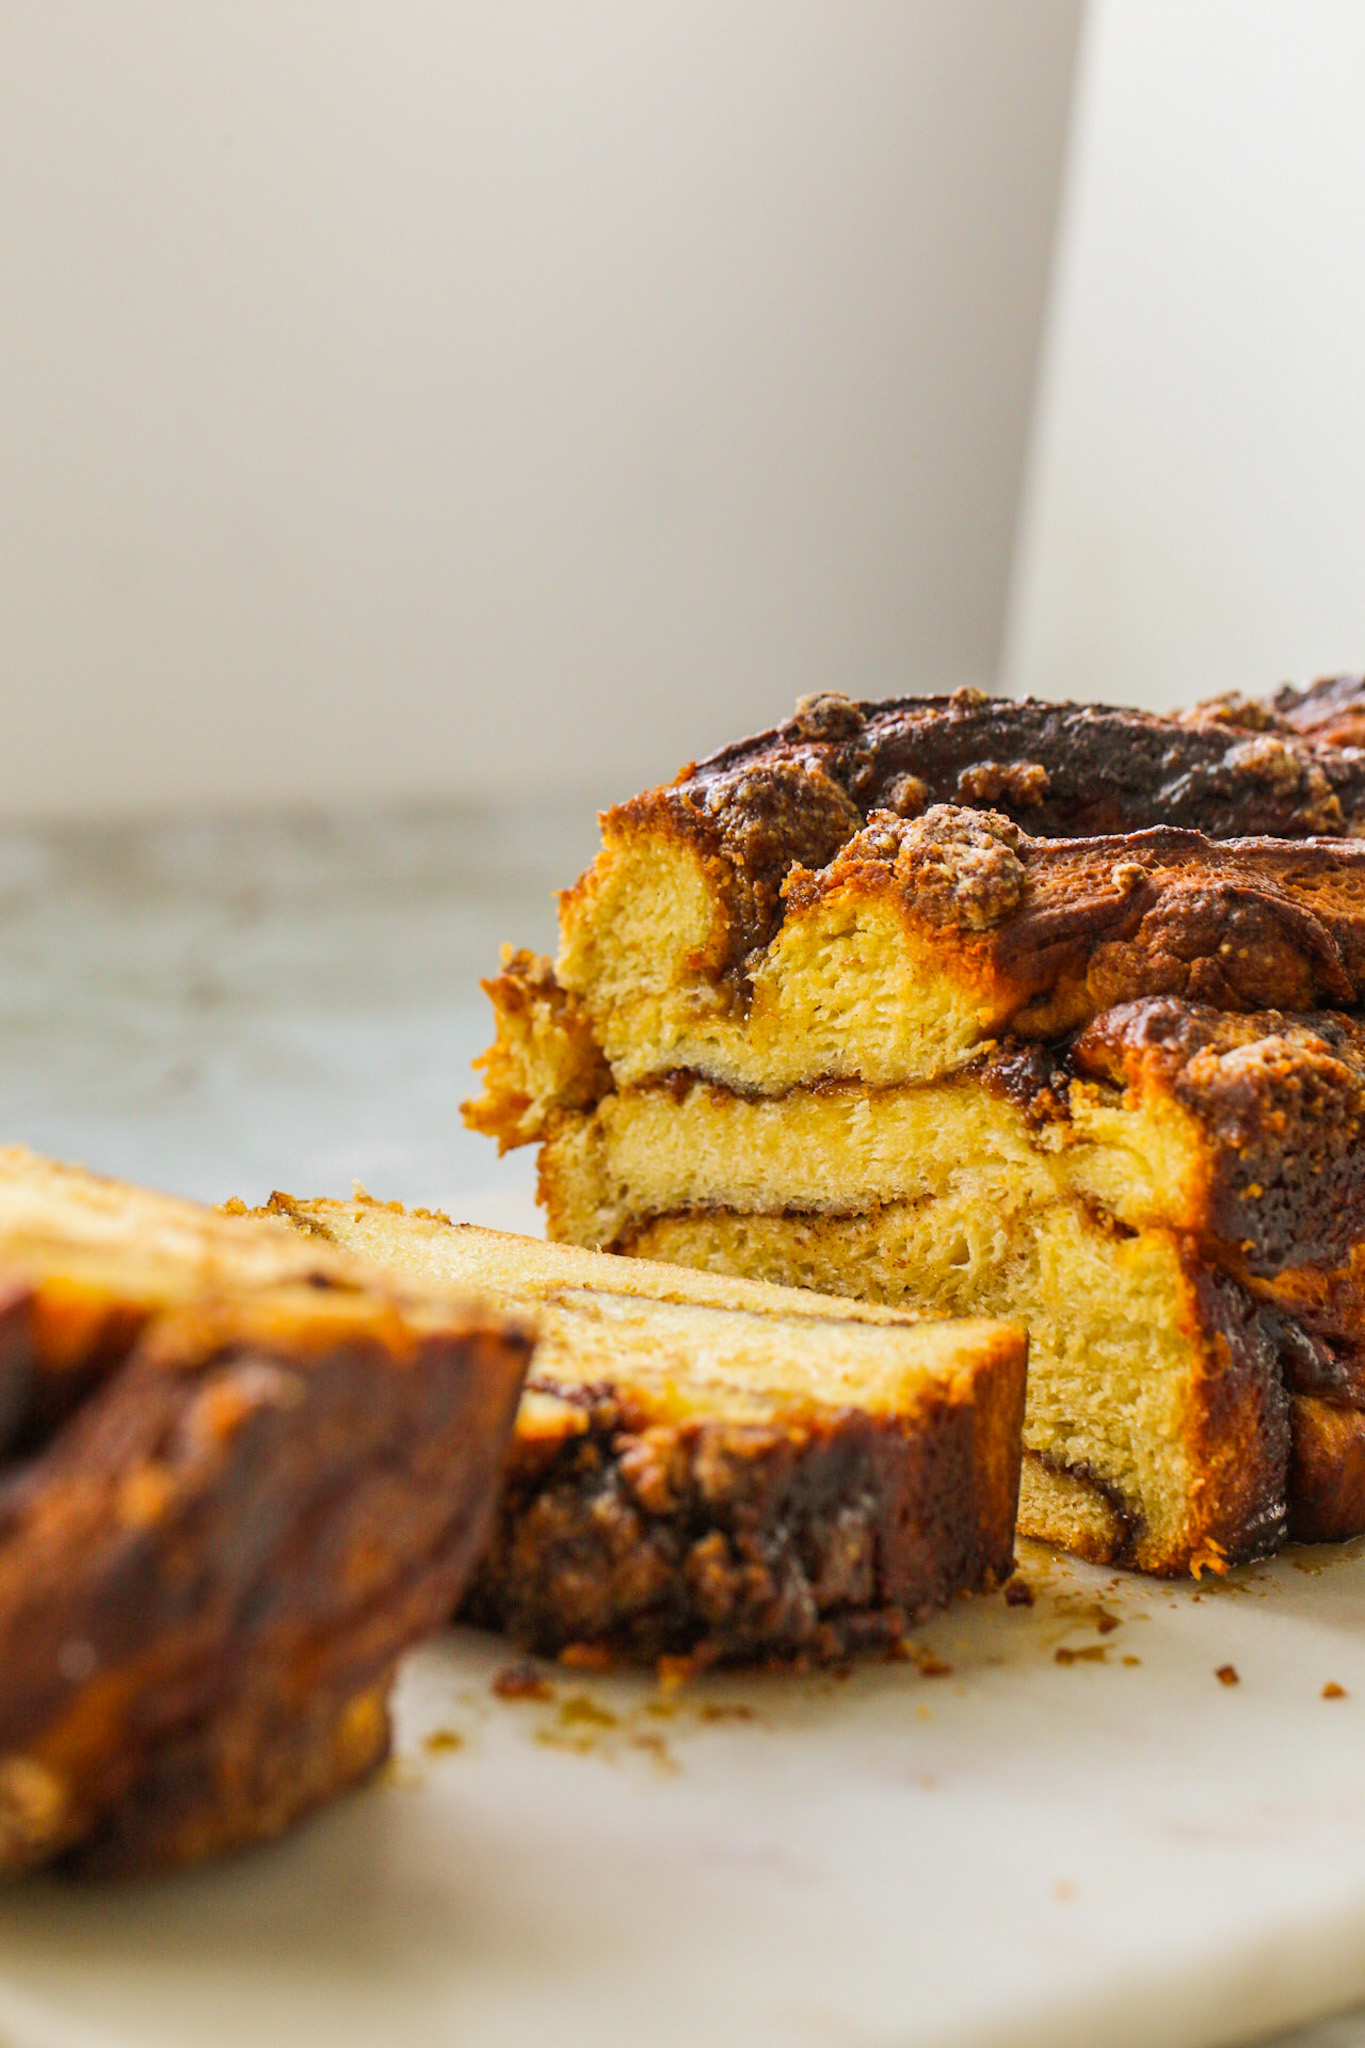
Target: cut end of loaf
(1043, 1021)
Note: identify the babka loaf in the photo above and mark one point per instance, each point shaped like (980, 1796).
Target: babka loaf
(1102, 1083)
(715, 1468)
(240, 1475)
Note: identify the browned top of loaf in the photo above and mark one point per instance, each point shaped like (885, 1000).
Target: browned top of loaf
(796, 793)
(1245, 924)
(1330, 711)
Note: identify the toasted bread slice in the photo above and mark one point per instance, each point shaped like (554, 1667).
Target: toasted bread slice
(716, 1467)
(243, 1474)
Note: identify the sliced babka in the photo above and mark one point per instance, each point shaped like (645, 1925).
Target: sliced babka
(717, 1468)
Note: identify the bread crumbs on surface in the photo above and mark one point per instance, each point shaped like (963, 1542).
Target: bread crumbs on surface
(441, 1740)
(521, 1682)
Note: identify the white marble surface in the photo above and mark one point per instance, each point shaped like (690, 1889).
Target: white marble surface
(228, 1006)
(1019, 1851)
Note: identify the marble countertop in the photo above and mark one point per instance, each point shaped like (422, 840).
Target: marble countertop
(236, 1004)
(225, 1006)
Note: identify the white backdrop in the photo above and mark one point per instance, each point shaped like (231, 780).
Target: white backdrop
(413, 396)
(1196, 504)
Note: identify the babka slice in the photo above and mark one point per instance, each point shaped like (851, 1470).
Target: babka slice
(918, 941)
(239, 1476)
(919, 1059)
(718, 1468)
(689, 907)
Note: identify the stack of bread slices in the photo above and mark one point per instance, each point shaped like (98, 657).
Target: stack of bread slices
(1009, 1009)
(711, 1469)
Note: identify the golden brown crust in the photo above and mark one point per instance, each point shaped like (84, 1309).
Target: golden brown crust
(544, 1058)
(1080, 925)
(729, 1543)
(227, 1547)
(748, 829)
(1327, 1472)
(242, 1777)
(1237, 1425)
(793, 794)
(1279, 1104)
(88, 1262)
(923, 939)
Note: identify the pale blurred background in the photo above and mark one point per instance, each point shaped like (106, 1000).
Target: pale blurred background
(457, 398)
(447, 397)
(1195, 518)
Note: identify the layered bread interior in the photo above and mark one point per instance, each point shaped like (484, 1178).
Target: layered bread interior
(1108, 1085)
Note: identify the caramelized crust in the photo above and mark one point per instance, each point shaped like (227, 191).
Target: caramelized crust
(1329, 712)
(919, 942)
(253, 1494)
(1278, 1103)
(719, 1468)
(1060, 770)
(1243, 923)
(1326, 1472)
(91, 1261)
(705, 863)
(730, 1542)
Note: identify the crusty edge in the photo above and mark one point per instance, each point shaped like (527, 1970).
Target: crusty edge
(1237, 1442)
(1268, 1463)
(1237, 1427)
(1326, 1472)
(732, 1543)
(208, 1720)
(544, 1058)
